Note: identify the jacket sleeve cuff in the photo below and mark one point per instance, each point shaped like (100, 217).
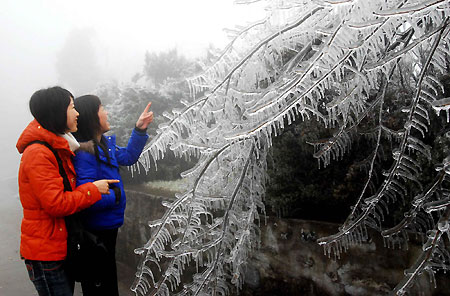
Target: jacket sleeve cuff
(92, 192)
(140, 130)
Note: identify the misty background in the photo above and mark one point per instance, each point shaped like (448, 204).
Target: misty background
(81, 44)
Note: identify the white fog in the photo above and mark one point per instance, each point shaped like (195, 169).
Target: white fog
(40, 39)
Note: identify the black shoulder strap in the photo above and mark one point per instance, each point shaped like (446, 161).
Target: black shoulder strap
(62, 172)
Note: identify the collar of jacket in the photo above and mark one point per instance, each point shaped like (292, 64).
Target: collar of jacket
(35, 132)
(87, 146)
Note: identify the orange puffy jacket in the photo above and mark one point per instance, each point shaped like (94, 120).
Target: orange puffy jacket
(41, 190)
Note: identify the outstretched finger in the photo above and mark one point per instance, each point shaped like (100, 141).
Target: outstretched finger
(148, 107)
(112, 181)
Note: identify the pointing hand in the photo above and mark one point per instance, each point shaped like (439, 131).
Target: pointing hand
(103, 185)
(146, 118)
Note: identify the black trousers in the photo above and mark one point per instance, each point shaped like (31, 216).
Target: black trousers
(106, 282)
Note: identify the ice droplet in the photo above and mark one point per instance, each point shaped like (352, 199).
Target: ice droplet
(139, 251)
(443, 226)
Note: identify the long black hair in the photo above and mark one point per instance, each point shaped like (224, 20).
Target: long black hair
(89, 123)
(49, 107)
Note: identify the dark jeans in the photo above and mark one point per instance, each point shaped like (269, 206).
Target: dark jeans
(49, 278)
(106, 282)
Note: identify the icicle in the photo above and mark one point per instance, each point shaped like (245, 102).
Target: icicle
(443, 104)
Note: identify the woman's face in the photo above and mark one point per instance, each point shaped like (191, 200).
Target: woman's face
(103, 118)
(72, 117)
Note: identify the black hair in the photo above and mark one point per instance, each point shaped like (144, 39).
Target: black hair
(49, 107)
(89, 123)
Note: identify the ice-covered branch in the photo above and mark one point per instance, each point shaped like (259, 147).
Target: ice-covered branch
(372, 161)
(261, 44)
(399, 53)
(430, 248)
(398, 169)
(323, 60)
(168, 134)
(336, 147)
(225, 224)
(417, 204)
(424, 5)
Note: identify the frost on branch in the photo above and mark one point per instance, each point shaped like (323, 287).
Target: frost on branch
(325, 61)
(209, 229)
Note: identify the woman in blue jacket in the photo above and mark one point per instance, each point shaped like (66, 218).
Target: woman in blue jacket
(105, 216)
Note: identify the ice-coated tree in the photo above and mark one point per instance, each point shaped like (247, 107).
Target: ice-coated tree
(328, 61)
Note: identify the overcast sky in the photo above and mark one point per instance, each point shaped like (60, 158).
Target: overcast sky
(34, 32)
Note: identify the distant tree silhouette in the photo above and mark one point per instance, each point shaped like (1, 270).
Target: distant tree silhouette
(166, 64)
(77, 64)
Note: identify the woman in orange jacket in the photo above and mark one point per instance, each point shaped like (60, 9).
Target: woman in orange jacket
(43, 242)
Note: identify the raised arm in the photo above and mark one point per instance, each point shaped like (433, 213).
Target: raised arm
(130, 154)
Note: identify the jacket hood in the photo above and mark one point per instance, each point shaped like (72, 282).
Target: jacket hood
(35, 132)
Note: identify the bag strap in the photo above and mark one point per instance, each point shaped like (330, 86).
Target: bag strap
(62, 172)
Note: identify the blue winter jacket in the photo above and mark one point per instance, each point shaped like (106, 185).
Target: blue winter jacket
(108, 213)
